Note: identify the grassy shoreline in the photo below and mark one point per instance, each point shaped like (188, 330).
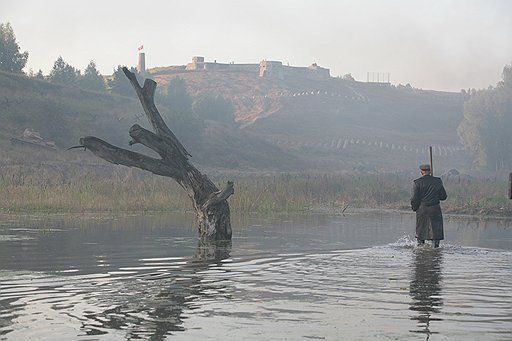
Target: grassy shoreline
(99, 189)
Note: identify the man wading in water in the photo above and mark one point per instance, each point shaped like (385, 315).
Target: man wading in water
(427, 192)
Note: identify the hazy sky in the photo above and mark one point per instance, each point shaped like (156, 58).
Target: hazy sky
(433, 44)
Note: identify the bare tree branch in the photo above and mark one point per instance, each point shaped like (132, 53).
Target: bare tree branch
(120, 156)
(212, 208)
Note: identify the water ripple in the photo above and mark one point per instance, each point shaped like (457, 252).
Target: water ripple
(389, 291)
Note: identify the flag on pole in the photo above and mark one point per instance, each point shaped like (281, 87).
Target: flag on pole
(141, 47)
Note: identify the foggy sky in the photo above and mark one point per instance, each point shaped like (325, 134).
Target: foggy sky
(442, 45)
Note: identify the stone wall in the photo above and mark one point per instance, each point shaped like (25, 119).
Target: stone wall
(267, 69)
(198, 63)
(276, 69)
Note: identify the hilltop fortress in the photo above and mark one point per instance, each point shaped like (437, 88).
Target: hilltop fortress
(266, 69)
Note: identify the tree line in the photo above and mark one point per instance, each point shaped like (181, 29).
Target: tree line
(188, 111)
(485, 127)
(13, 60)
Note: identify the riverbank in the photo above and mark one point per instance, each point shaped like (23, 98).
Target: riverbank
(120, 189)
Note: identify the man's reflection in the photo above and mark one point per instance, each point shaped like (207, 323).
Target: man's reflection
(425, 288)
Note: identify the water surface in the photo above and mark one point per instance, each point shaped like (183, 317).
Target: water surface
(353, 277)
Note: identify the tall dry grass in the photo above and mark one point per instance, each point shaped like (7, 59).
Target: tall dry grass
(82, 183)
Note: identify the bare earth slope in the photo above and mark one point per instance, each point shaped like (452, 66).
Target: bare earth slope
(338, 124)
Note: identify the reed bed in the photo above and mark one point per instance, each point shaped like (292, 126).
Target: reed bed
(79, 187)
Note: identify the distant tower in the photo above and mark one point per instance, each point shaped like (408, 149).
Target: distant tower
(141, 67)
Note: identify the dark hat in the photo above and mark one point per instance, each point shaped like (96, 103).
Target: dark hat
(425, 167)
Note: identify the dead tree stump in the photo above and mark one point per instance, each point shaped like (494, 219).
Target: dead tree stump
(210, 203)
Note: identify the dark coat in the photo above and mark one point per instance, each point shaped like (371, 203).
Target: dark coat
(427, 192)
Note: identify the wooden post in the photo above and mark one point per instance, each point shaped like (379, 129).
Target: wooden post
(510, 186)
(431, 161)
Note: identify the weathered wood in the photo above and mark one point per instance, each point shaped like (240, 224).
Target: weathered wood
(210, 203)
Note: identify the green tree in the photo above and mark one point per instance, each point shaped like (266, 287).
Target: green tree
(506, 77)
(63, 73)
(177, 99)
(39, 75)
(349, 77)
(92, 79)
(215, 108)
(178, 111)
(484, 130)
(11, 59)
(120, 85)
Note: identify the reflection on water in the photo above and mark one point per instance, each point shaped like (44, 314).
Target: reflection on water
(142, 301)
(425, 288)
(213, 251)
(152, 311)
(314, 277)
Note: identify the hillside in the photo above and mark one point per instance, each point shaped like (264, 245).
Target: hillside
(64, 114)
(338, 124)
(290, 124)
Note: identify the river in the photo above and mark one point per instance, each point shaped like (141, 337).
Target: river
(357, 276)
